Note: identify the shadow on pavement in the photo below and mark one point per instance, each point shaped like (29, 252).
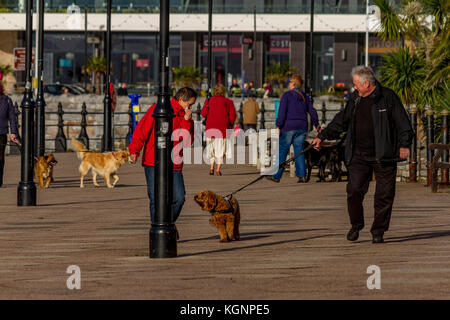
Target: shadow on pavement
(419, 236)
(84, 202)
(248, 236)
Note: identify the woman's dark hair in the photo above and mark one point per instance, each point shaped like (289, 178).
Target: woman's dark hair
(185, 94)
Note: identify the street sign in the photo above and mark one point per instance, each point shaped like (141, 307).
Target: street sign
(19, 58)
(94, 40)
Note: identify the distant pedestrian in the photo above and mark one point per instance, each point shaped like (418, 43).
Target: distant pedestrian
(378, 135)
(250, 111)
(292, 124)
(122, 91)
(234, 86)
(220, 115)
(7, 115)
(144, 137)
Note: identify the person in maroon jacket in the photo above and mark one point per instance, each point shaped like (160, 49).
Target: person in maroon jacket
(220, 115)
(144, 136)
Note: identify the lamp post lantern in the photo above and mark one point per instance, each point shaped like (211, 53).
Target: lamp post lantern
(26, 190)
(163, 241)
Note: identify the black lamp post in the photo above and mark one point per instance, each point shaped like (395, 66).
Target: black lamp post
(209, 48)
(107, 112)
(311, 47)
(40, 102)
(254, 47)
(85, 45)
(163, 241)
(26, 190)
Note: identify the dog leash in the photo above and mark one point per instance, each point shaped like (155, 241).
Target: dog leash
(279, 166)
(12, 144)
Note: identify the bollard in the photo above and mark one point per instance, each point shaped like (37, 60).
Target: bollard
(430, 138)
(83, 137)
(444, 137)
(413, 148)
(263, 119)
(133, 112)
(60, 140)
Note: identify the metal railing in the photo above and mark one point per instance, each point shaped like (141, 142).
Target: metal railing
(435, 127)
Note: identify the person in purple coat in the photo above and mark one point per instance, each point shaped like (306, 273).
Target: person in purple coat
(7, 114)
(292, 126)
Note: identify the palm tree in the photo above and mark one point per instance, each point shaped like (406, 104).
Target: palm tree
(428, 41)
(187, 76)
(97, 68)
(279, 73)
(5, 69)
(404, 73)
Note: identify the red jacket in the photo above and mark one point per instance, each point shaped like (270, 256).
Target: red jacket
(144, 136)
(220, 114)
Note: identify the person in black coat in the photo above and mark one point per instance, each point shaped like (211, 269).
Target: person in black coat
(379, 135)
(7, 115)
(122, 91)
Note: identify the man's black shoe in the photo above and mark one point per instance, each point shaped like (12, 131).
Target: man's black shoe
(271, 178)
(353, 234)
(302, 180)
(377, 238)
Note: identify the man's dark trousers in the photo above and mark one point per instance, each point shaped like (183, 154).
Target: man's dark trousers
(3, 141)
(360, 171)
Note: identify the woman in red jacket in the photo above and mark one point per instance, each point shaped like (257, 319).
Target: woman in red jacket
(144, 136)
(220, 115)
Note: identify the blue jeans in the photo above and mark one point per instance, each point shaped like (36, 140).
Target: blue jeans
(179, 191)
(296, 138)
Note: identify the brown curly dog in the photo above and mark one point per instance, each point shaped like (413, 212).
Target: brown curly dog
(225, 215)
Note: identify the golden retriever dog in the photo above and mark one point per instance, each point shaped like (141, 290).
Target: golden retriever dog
(43, 169)
(105, 164)
(225, 213)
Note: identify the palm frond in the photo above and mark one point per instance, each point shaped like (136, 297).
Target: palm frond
(391, 25)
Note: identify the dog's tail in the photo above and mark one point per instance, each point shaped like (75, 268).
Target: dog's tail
(79, 147)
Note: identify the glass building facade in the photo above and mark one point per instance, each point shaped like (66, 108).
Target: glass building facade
(235, 55)
(201, 6)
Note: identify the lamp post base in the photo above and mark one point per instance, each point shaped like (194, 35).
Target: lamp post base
(26, 195)
(163, 241)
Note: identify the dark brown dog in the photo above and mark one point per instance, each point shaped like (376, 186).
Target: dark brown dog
(225, 216)
(43, 169)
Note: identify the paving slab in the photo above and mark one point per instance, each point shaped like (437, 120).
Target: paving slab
(292, 245)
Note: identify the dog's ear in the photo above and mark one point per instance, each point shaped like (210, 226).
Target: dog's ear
(211, 200)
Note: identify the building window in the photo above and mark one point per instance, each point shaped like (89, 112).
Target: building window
(277, 48)
(226, 52)
(323, 56)
(64, 57)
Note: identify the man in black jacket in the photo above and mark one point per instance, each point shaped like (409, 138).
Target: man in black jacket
(378, 136)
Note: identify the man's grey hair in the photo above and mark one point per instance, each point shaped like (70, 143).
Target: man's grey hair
(365, 73)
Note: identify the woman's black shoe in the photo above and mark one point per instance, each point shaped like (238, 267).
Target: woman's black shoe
(302, 180)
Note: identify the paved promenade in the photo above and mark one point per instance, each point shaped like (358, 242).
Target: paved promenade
(292, 244)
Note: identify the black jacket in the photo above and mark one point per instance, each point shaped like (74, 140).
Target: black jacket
(7, 113)
(390, 121)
